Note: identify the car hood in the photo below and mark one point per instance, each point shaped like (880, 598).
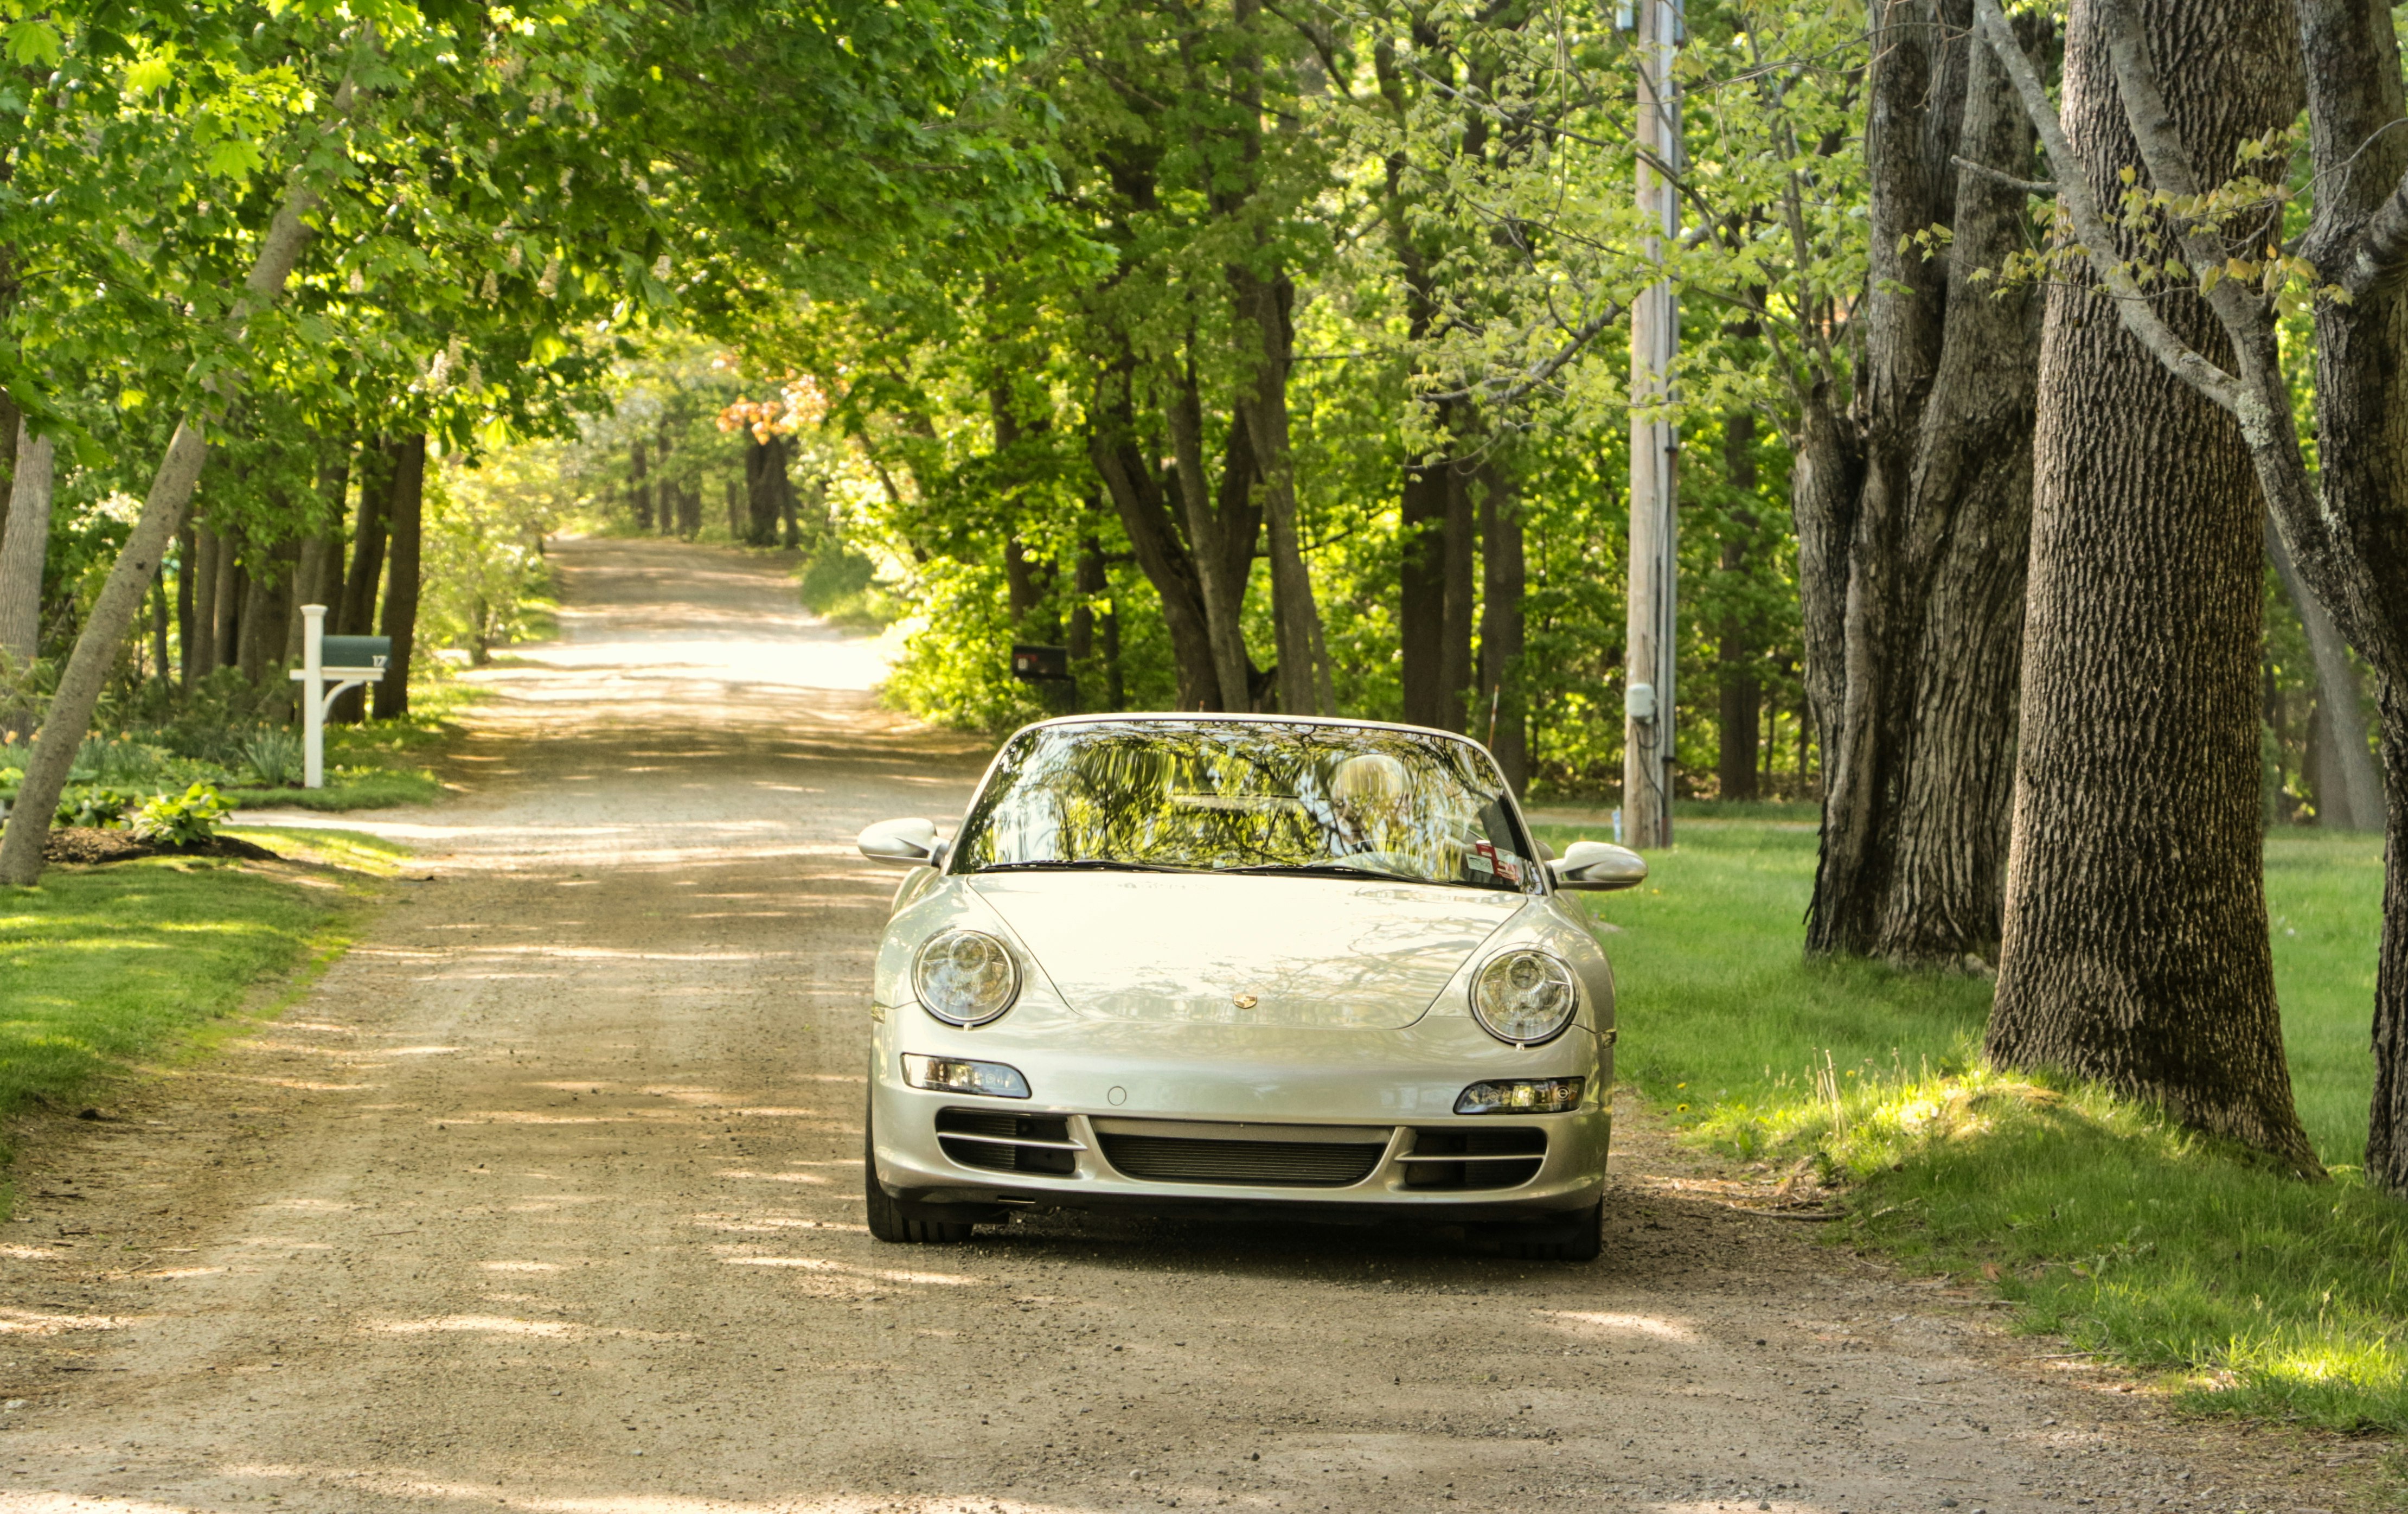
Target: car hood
(1230, 950)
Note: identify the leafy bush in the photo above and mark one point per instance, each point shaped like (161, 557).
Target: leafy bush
(99, 808)
(181, 819)
(275, 756)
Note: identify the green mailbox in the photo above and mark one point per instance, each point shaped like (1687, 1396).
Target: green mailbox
(355, 652)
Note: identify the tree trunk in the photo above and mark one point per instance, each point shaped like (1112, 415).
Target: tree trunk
(2349, 789)
(1420, 592)
(2354, 99)
(1221, 532)
(11, 420)
(201, 656)
(767, 490)
(1964, 556)
(1261, 307)
(1908, 135)
(23, 548)
(319, 576)
(367, 541)
(1738, 736)
(640, 488)
(261, 633)
(188, 556)
(1458, 564)
(1502, 716)
(226, 635)
(401, 576)
(2135, 950)
(159, 623)
(1161, 556)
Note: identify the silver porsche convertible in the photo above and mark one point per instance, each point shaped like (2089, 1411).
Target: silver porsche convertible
(1243, 964)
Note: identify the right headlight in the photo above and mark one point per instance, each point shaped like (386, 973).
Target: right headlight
(965, 977)
(1524, 996)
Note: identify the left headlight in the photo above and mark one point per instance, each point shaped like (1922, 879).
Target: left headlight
(1524, 996)
(965, 977)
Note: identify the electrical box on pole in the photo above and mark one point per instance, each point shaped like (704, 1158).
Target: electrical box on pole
(1654, 446)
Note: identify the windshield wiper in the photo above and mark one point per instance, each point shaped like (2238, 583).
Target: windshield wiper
(1332, 870)
(1089, 864)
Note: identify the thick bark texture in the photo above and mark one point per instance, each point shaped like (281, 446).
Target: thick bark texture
(401, 574)
(1962, 574)
(23, 546)
(2135, 949)
(1913, 515)
(2351, 57)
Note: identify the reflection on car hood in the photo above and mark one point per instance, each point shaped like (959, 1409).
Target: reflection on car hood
(1230, 950)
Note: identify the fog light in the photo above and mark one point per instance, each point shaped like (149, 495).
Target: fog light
(1522, 1096)
(951, 1074)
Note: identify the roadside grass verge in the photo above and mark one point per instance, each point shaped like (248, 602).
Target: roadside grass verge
(104, 969)
(2248, 1291)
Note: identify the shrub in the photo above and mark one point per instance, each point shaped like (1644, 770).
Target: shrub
(275, 756)
(181, 819)
(99, 808)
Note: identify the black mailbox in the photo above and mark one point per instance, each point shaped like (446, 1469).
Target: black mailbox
(355, 651)
(1041, 664)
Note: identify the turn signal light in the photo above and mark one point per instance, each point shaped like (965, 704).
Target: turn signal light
(953, 1074)
(1522, 1096)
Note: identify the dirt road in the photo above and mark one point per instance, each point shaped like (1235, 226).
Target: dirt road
(546, 1198)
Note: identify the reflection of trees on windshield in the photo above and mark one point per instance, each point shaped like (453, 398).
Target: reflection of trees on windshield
(1224, 796)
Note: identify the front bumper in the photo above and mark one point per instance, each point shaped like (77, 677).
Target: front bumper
(1389, 1091)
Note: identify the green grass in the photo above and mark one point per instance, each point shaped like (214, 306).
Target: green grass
(2250, 1292)
(102, 969)
(349, 849)
(348, 788)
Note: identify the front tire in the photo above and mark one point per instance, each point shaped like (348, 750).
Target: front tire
(1581, 1239)
(887, 1220)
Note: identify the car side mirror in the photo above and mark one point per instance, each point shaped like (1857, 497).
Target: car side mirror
(1599, 865)
(909, 843)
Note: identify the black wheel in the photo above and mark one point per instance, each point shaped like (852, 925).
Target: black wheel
(887, 1220)
(1578, 1240)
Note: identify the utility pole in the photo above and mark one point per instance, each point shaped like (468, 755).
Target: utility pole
(1654, 449)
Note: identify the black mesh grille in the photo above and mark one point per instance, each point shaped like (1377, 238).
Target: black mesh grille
(1475, 1141)
(1001, 1151)
(1256, 1163)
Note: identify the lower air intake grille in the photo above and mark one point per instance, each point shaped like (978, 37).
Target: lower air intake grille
(1164, 1159)
(1002, 1142)
(1476, 1157)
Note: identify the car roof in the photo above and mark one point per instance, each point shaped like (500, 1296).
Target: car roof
(1240, 717)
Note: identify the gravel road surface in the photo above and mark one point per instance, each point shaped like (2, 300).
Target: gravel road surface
(546, 1198)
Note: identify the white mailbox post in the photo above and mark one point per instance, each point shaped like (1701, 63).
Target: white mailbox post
(359, 659)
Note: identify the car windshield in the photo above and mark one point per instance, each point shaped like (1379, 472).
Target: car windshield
(1242, 796)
